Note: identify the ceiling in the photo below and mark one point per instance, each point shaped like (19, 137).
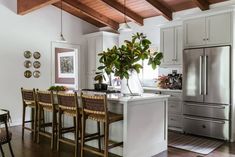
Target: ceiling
(110, 13)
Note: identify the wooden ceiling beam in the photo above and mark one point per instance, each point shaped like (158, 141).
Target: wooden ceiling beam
(166, 12)
(129, 13)
(75, 12)
(26, 6)
(92, 13)
(202, 4)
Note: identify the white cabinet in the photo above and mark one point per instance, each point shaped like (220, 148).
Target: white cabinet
(97, 43)
(175, 107)
(171, 44)
(210, 30)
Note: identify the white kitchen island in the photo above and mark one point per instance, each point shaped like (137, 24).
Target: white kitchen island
(144, 128)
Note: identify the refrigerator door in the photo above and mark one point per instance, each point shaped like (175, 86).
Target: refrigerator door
(217, 75)
(193, 75)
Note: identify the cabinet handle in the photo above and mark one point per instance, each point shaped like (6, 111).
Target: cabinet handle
(207, 39)
(173, 59)
(204, 39)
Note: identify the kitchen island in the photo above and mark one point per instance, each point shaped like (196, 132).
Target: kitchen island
(144, 128)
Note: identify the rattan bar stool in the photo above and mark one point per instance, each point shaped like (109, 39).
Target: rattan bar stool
(68, 105)
(45, 101)
(94, 107)
(29, 100)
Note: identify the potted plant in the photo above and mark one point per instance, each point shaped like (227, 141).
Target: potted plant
(100, 78)
(57, 88)
(124, 60)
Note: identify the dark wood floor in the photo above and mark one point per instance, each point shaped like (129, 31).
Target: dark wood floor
(28, 148)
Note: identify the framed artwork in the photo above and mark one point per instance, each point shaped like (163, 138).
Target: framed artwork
(66, 64)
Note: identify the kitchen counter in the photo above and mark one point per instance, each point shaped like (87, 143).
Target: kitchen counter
(144, 127)
(161, 89)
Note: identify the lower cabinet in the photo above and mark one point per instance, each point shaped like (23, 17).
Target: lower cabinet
(175, 108)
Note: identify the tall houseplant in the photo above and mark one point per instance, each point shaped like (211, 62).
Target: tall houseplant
(124, 59)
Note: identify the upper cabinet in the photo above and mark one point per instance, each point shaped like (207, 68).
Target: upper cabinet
(210, 30)
(97, 43)
(171, 44)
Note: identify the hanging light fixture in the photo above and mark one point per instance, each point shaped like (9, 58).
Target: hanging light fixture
(62, 39)
(124, 27)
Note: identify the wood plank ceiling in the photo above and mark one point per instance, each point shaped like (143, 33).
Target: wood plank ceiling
(110, 13)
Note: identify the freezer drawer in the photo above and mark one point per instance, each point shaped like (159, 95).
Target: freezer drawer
(206, 127)
(207, 110)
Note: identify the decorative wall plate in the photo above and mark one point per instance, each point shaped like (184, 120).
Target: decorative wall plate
(27, 54)
(27, 74)
(27, 64)
(36, 55)
(36, 74)
(36, 64)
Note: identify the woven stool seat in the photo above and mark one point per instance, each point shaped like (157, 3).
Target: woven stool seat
(113, 117)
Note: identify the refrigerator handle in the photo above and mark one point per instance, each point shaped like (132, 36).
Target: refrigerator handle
(200, 73)
(205, 79)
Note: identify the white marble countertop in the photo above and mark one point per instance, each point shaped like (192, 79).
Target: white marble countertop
(144, 96)
(163, 90)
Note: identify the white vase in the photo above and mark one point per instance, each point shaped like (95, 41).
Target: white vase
(135, 87)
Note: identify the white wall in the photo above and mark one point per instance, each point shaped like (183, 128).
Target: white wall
(33, 32)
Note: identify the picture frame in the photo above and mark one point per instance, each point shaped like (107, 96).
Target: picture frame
(66, 64)
(72, 80)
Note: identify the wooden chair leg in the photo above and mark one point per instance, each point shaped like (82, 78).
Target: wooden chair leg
(43, 119)
(83, 136)
(77, 135)
(106, 139)
(3, 155)
(23, 122)
(53, 129)
(99, 140)
(39, 124)
(59, 131)
(35, 123)
(9, 144)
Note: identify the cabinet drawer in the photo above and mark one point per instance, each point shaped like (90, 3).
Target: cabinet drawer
(206, 110)
(206, 127)
(175, 121)
(175, 107)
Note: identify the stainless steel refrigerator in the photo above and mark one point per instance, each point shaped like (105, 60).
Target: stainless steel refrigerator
(206, 91)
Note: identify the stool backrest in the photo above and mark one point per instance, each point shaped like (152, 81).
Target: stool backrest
(68, 100)
(28, 96)
(94, 102)
(45, 98)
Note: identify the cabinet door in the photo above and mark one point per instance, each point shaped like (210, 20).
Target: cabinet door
(168, 45)
(178, 45)
(218, 29)
(195, 32)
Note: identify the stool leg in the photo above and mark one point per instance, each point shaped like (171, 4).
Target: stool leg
(3, 155)
(39, 124)
(35, 123)
(59, 130)
(53, 128)
(99, 140)
(76, 135)
(43, 120)
(23, 122)
(83, 135)
(106, 139)
(9, 144)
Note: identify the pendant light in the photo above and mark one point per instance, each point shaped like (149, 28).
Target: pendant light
(124, 27)
(62, 39)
